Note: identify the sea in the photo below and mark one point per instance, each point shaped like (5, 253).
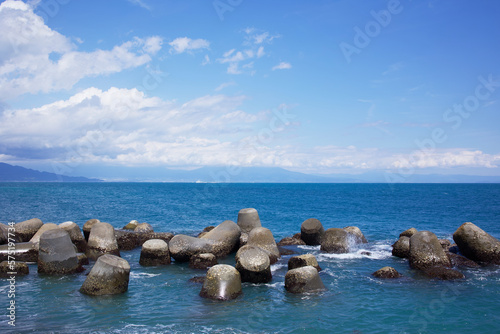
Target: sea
(163, 300)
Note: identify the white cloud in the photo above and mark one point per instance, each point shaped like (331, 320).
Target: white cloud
(206, 60)
(35, 58)
(140, 3)
(183, 44)
(282, 66)
(224, 85)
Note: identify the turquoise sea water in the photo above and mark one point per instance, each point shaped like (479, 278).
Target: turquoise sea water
(160, 299)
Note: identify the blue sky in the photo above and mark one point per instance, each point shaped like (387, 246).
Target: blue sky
(318, 87)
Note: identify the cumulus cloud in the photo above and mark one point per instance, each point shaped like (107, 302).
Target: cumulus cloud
(282, 66)
(184, 44)
(35, 58)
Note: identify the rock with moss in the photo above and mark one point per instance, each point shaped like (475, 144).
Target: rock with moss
(202, 261)
(131, 225)
(386, 272)
(426, 251)
(291, 241)
(253, 264)
(109, 275)
(476, 244)
(102, 241)
(303, 279)
(263, 238)
(154, 252)
(303, 261)
(335, 240)
(17, 268)
(222, 282)
(57, 254)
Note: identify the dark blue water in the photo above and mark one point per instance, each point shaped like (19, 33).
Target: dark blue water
(162, 300)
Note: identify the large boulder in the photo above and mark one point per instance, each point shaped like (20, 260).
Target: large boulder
(183, 247)
(253, 264)
(45, 227)
(202, 261)
(386, 272)
(426, 251)
(226, 238)
(263, 238)
(109, 275)
(57, 254)
(359, 237)
(303, 279)
(248, 219)
(303, 261)
(102, 241)
(26, 230)
(311, 231)
(87, 227)
(76, 235)
(223, 282)
(335, 240)
(401, 248)
(17, 267)
(154, 252)
(476, 244)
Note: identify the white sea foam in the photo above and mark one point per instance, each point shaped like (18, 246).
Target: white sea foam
(376, 253)
(312, 248)
(142, 275)
(277, 266)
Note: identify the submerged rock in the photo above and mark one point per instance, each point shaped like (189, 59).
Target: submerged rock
(303, 261)
(202, 261)
(311, 231)
(401, 248)
(26, 230)
(335, 240)
(18, 268)
(303, 279)
(426, 251)
(443, 273)
(87, 227)
(110, 275)
(223, 282)
(154, 253)
(476, 244)
(248, 219)
(263, 238)
(387, 272)
(253, 264)
(102, 241)
(356, 232)
(76, 235)
(458, 260)
(291, 241)
(57, 254)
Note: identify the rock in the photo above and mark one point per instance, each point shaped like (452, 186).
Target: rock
(303, 279)
(102, 241)
(83, 260)
(127, 240)
(477, 245)
(57, 254)
(401, 248)
(131, 226)
(443, 273)
(205, 231)
(183, 247)
(223, 282)
(335, 240)
(359, 236)
(263, 238)
(144, 228)
(291, 241)
(253, 264)
(24, 252)
(202, 261)
(165, 236)
(303, 261)
(15, 269)
(226, 238)
(4, 234)
(445, 243)
(154, 253)
(311, 231)
(387, 272)
(88, 226)
(45, 227)
(26, 230)
(109, 276)
(243, 239)
(197, 279)
(285, 251)
(76, 235)
(426, 251)
(248, 219)
(461, 261)
(408, 233)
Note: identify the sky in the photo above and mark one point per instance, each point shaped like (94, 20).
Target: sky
(320, 87)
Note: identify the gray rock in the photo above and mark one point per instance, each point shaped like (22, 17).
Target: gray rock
(291, 241)
(4, 234)
(458, 260)
(408, 233)
(76, 235)
(26, 230)
(88, 226)
(45, 227)
(443, 273)
(303, 279)
(57, 254)
(127, 240)
(445, 243)
(253, 264)
(17, 268)
(303, 261)
(476, 244)
(131, 226)
(387, 272)
(83, 260)
(226, 238)
(243, 239)
(154, 253)
(202, 261)
(24, 252)
(102, 241)
(205, 231)
(426, 251)
(335, 240)
(312, 231)
(183, 247)
(263, 238)
(223, 282)
(248, 219)
(359, 236)
(110, 275)
(165, 236)
(401, 248)
(144, 228)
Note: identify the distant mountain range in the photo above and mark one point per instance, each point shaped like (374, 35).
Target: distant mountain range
(226, 174)
(9, 173)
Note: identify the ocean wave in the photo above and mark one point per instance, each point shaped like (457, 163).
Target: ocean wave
(142, 275)
(277, 266)
(312, 248)
(373, 254)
